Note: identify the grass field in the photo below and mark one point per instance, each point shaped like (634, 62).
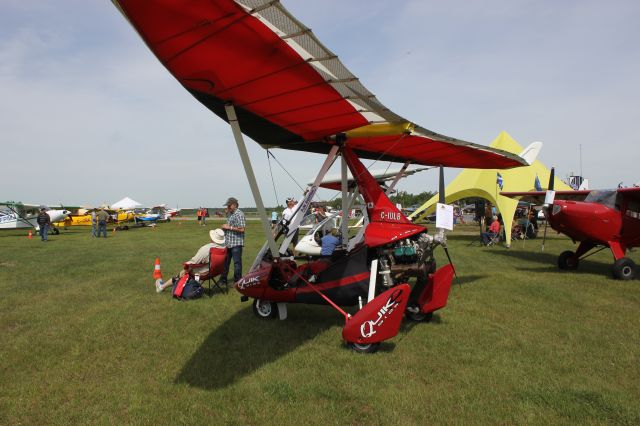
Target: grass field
(86, 339)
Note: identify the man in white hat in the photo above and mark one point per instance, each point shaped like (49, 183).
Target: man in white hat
(201, 257)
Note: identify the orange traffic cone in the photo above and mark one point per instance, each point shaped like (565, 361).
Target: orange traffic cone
(157, 273)
(30, 236)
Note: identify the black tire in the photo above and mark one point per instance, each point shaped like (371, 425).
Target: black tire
(265, 309)
(624, 269)
(568, 260)
(368, 348)
(419, 316)
(55, 231)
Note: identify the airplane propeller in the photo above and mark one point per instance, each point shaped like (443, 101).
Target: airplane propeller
(547, 207)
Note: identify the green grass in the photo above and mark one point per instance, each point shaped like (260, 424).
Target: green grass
(85, 339)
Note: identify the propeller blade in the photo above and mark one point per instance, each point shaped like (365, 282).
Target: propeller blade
(441, 187)
(547, 208)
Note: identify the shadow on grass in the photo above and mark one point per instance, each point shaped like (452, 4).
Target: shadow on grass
(537, 257)
(245, 343)
(467, 279)
(550, 262)
(595, 268)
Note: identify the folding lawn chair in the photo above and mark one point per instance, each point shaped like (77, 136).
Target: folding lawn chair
(216, 268)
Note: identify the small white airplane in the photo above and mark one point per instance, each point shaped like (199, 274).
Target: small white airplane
(311, 245)
(159, 213)
(15, 215)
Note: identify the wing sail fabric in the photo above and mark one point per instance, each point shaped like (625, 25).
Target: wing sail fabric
(289, 90)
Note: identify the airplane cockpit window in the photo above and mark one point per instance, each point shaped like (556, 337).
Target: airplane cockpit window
(606, 198)
(633, 209)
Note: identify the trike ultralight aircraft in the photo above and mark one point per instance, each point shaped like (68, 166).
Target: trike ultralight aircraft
(598, 219)
(258, 68)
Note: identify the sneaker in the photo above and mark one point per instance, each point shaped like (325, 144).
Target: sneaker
(159, 283)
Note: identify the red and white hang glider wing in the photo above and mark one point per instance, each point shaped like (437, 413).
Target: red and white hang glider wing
(289, 90)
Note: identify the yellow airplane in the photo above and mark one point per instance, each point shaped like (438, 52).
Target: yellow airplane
(83, 217)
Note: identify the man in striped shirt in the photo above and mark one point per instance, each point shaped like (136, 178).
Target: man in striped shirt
(234, 239)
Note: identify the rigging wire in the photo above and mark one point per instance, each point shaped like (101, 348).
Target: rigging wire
(285, 170)
(273, 182)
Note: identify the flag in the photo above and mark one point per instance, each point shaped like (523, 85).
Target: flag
(536, 184)
(499, 181)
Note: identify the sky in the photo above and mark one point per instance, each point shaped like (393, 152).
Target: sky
(88, 115)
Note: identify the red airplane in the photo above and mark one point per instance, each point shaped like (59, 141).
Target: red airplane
(596, 219)
(258, 68)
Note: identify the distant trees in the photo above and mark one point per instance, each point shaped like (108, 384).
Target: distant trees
(406, 199)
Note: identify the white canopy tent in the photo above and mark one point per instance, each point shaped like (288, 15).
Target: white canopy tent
(126, 204)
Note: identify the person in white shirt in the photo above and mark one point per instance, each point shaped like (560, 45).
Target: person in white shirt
(201, 256)
(287, 215)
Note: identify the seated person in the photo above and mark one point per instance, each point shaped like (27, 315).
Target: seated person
(330, 242)
(201, 256)
(494, 229)
(517, 230)
(533, 219)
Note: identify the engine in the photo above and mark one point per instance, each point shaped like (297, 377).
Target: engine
(411, 257)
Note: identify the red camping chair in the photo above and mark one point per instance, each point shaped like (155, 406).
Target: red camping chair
(216, 267)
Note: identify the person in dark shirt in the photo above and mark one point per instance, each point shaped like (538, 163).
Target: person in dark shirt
(102, 217)
(44, 221)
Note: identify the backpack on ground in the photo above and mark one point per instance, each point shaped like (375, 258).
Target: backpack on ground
(186, 288)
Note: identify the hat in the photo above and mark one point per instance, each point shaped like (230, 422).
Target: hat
(291, 199)
(217, 236)
(231, 200)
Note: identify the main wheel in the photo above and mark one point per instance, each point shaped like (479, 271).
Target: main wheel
(418, 316)
(368, 348)
(55, 231)
(264, 309)
(624, 269)
(568, 260)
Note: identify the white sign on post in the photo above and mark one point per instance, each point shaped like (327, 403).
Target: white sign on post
(444, 216)
(549, 197)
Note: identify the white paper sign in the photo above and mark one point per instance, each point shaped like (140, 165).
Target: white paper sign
(549, 197)
(444, 216)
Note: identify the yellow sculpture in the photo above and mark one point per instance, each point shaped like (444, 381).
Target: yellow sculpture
(484, 184)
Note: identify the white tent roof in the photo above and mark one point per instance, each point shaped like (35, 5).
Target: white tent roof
(126, 203)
